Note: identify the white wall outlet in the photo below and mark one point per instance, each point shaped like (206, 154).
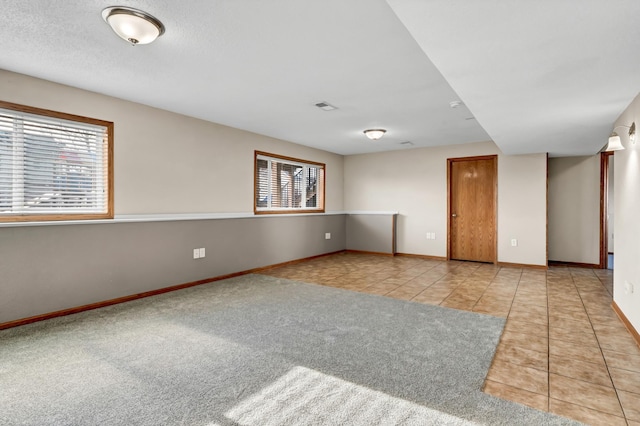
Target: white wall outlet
(202, 253)
(196, 253)
(514, 242)
(628, 287)
(327, 235)
(433, 235)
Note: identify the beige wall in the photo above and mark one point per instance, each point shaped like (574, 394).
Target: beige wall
(627, 225)
(522, 208)
(414, 183)
(170, 163)
(574, 209)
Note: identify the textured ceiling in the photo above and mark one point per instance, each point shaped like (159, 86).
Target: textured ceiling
(544, 76)
(540, 76)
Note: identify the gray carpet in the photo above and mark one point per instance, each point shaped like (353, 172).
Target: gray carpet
(256, 350)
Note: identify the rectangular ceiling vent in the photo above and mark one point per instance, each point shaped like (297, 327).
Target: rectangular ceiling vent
(406, 143)
(325, 106)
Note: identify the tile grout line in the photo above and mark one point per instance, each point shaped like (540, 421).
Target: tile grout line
(546, 286)
(606, 365)
(485, 289)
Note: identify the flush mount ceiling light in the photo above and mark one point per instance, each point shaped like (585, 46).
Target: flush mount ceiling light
(133, 25)
(374, 134)
(615, 144)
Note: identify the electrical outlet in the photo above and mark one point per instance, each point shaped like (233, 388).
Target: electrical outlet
(196, 253)
(514, 242)
(628, 287)
(327, 235)
(433, 235)
(202, 253)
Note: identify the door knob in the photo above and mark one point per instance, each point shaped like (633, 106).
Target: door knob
(454, 215)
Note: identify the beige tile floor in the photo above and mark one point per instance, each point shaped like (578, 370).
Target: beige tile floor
(563, 349)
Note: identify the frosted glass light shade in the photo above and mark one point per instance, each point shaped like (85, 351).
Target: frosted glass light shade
(374, 134)
(614, 143)
(132, 25)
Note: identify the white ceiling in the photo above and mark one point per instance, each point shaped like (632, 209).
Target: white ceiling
(538, 76)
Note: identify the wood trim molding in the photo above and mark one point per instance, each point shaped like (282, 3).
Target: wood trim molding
(634, 333)
(91, 306)
(377, 253)
(323, 178)
(422, 256)
(522, 265)
(547, 213)
(604, 196)
(108, 174)
(574, 264)
(285, 158)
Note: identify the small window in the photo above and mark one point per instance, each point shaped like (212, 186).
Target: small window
(54, 166)
(288, 185)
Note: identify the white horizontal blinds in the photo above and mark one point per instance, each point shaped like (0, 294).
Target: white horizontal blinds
(51, 166)
(283, 184)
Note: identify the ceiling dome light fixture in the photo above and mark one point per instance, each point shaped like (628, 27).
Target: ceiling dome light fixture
(374, 134)
(133, 25)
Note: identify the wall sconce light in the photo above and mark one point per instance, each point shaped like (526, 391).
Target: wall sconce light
(374, 134)
(615, 144)
(133, 25)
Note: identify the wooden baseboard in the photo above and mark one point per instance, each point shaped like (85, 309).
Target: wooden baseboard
(422, 256)
(574, 264)
(91, 306)
(522, 265)
(377, 253)
(634, 333)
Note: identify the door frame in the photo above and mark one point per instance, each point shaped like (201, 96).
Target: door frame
(604, 202)
(450, 162)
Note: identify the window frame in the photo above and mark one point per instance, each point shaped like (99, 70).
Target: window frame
(108, 173)
(289, 210)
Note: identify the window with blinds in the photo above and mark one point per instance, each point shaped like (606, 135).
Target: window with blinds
(288, 185)
(54, 166)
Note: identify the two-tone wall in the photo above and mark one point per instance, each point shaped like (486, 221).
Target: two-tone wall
(176, 166)
(414, 183)
(167, 164)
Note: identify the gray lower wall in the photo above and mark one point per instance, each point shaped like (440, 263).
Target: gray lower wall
(371, 232)
(49, 268)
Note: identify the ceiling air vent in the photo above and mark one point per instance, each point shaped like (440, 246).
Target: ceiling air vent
(406, 143)
(325, 106)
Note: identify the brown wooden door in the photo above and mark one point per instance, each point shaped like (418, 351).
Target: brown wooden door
(472, 208)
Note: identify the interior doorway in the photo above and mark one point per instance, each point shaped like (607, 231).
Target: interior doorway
(472, 204)
(606, 210)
